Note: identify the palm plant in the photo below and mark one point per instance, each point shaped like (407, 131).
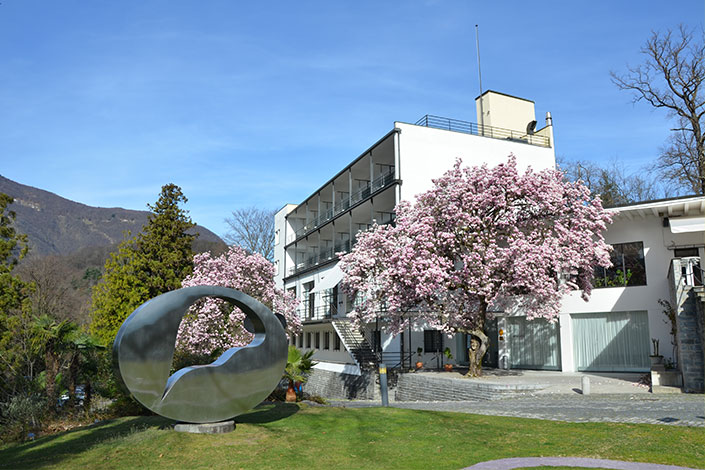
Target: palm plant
(298, 366)
(54, 338)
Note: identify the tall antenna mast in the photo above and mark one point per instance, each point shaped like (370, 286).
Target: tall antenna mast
(479, 73)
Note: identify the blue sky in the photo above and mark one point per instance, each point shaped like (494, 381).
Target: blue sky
(254, 103)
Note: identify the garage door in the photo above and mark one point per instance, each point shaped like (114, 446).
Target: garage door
(533, 344)
(611, 342)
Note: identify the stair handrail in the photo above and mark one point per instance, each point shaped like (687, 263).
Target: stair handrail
(348, 336)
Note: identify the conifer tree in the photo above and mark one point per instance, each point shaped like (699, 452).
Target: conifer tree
(145, 266)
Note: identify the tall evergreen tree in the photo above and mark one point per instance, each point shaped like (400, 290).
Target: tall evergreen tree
(13, 302)
(151, 263)
(13, 247)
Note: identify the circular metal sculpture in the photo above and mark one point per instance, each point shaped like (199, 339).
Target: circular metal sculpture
(236, 382)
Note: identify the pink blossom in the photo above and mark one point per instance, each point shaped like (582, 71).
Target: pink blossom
(481, 239)
(214, 325)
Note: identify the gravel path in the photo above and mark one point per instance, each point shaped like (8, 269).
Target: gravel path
(679, 410)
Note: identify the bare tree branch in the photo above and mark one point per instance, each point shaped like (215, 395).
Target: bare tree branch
(612, 183)
(671, 78)
(252, 229)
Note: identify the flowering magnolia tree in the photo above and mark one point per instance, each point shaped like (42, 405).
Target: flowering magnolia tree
(213, 325)
(481, 240)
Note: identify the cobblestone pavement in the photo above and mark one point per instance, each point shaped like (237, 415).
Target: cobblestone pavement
(682, 410)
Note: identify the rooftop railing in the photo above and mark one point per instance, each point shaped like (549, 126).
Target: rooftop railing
(382, 181)
(467, 127)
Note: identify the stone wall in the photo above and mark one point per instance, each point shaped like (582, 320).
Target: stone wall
(336, 385)
(408, 387)
(689, 318)
(420, 387)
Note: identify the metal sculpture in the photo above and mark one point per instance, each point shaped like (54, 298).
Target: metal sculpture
(236, 382)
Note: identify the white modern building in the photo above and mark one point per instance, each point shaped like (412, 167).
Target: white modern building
(657, 252)
(612, 332)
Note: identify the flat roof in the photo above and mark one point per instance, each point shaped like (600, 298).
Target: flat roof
(503, 94)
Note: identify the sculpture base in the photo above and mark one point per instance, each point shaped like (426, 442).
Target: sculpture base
(206, 428)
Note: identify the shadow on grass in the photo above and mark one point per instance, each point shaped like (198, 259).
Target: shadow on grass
(50, 450)
(268, 412)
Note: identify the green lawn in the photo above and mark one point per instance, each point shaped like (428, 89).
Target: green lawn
(299, 436)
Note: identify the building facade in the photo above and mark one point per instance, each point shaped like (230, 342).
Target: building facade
(657, 252)
(309, 236)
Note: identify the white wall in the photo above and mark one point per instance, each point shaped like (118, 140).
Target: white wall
(280, 231)
(657, 256)
(427, 153)
(329, 355)
(506, 112)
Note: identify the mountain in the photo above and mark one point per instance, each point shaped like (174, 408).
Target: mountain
(57, 226)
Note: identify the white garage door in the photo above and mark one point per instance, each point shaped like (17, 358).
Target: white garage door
(533, 344)
(611, 342)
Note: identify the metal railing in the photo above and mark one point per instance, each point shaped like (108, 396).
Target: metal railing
(691, 272)
(382, 181)
(322, 256)
(361, 348)
(320, 312)
(467, 127)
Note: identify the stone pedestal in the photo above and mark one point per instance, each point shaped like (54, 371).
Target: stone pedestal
(206, 428)
(668, 378)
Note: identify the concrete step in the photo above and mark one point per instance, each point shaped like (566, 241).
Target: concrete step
(663, 389)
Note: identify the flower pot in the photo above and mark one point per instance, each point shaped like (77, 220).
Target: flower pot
(448, 367)
(656, 360)
(419, 365)
(290, 394)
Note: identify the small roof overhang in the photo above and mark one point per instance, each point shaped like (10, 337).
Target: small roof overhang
(329, 279)
(672, 208)
(687, 224)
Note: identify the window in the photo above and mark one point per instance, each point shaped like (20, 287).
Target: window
(318, 340)
(685, 252)
(377, 340)
(308, 340)
(276, 267)
(301, 340)
(628, 267)
(432, 341)
(276, 237)
(336, 343)
(308, 300)
(326, 340)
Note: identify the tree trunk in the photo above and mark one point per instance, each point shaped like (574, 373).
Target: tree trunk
(477, 350)
(72, 378)
(478, 344)
(52, 369)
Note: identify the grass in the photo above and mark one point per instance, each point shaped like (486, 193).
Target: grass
(298, 436)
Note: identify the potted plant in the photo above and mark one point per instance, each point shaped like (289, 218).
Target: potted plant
(298, 366)
(656, 358)
(449, 356)
(419, 362)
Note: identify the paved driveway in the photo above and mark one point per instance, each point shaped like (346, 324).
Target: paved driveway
(683, 409)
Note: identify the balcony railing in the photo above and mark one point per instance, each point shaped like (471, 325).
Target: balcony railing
(466, 127)
(341, 246)
(327, 254)
(320, 312)
(382, 181)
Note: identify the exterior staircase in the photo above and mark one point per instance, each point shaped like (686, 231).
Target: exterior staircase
(700, 292)
(356, 344)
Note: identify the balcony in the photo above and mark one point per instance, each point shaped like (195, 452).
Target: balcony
(323, 256)
(319, 313)
(383, 181)
(466, 127)
(342, 246)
